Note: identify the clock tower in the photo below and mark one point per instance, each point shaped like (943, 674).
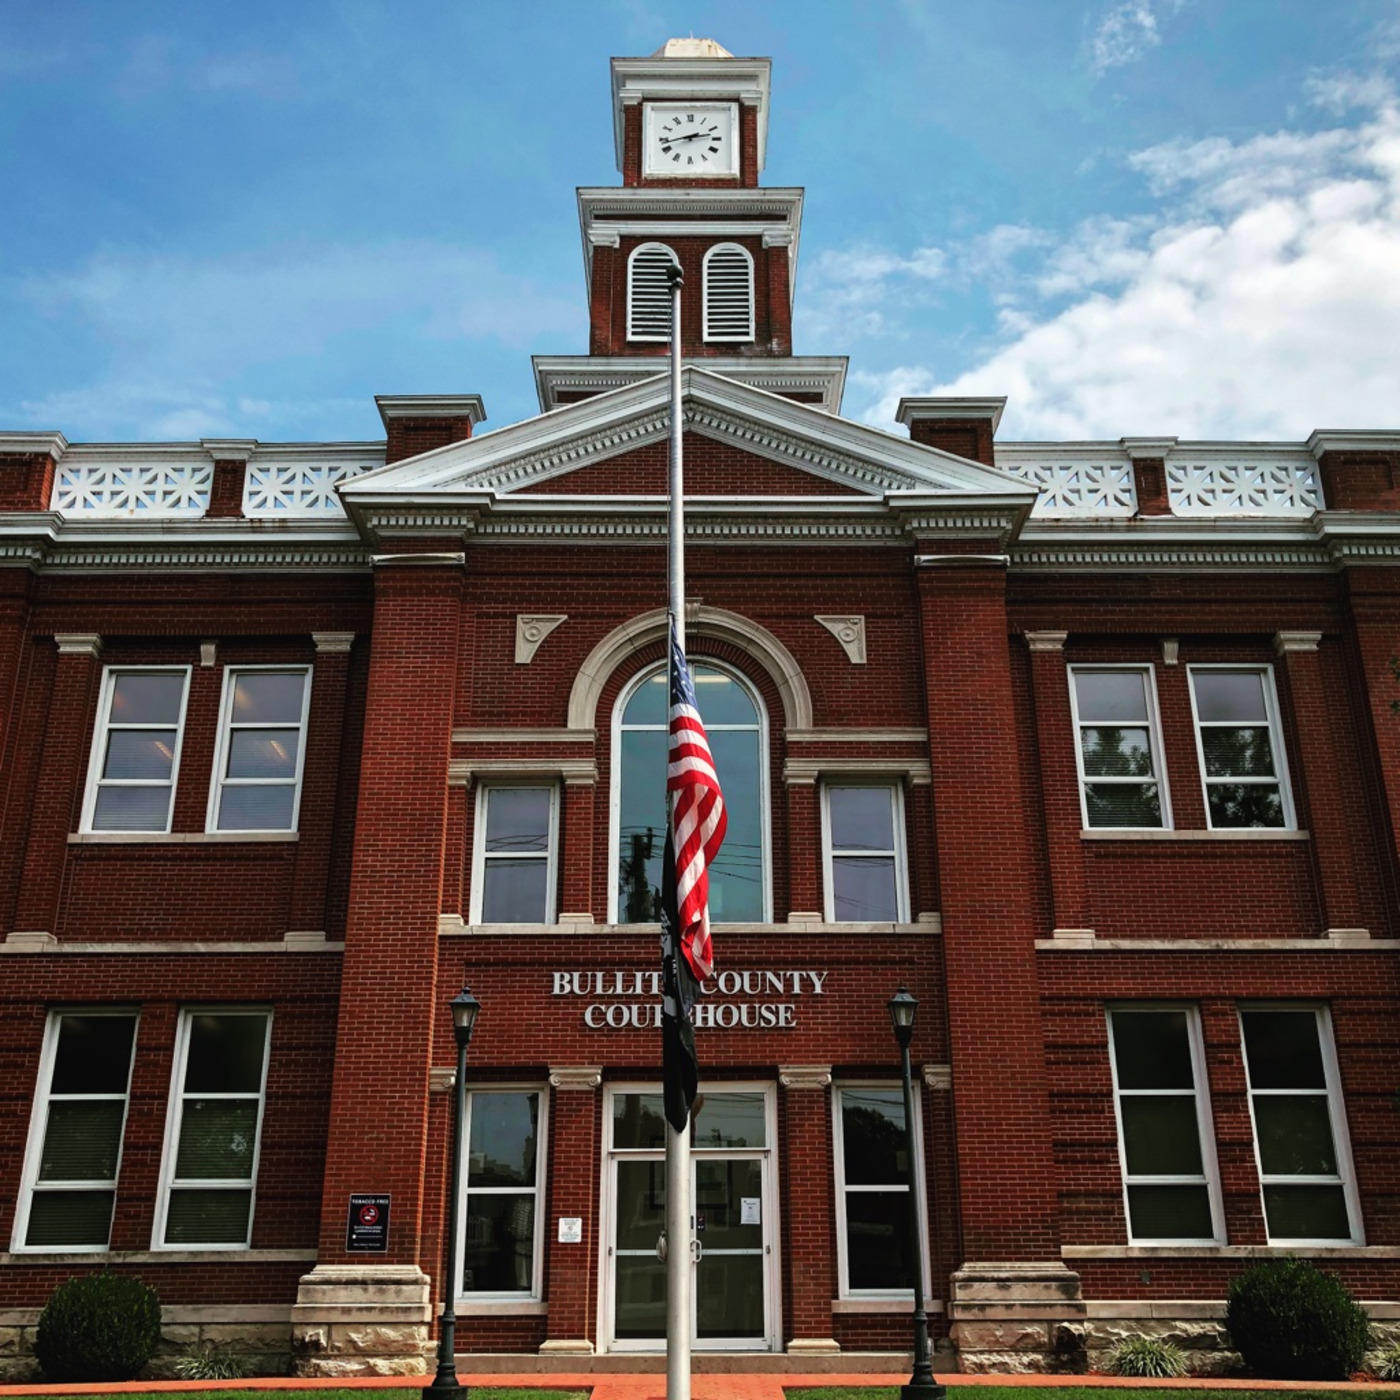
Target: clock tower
(690, 127)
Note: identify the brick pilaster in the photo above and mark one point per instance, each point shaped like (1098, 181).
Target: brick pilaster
(989, 914)
(805, 1106)
(573, 1192)
(1059, 781)
(389, 992)
(316, 818)
(576, 882)
(58, 794)
(804, 847)
(1316, 788)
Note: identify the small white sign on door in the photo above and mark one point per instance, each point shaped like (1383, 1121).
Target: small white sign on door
(748, 1211)
(570, 1229)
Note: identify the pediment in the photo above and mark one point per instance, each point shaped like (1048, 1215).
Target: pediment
(616, 444)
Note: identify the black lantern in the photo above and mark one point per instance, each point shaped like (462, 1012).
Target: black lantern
(903, 1006)
(446, 1385)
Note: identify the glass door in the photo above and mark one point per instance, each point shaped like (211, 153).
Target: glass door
(733, 1292)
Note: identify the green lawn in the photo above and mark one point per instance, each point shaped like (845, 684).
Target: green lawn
(1067, 1392)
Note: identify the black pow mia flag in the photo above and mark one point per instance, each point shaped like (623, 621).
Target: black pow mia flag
(680, 1069)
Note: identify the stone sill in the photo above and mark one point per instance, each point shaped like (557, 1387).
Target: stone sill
(899, 1307)
(176, 838)
(86, 1257)
(193, 1314)
(506, 1307)
(47, 945)
(1263, 833)
(453, 926)
(1089, 943)
(1229, 1251)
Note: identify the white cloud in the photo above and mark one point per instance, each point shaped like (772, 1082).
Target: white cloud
(1261, 301)
(1126, 33)
(177, 334)
(847, 290)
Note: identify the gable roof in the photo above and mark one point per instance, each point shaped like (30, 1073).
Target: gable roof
(852, 456)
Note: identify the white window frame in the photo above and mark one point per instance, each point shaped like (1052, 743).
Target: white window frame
(1205, 1127)
(536, 1292)
(710, 333)
(615, 774)
(480, 856)
(38, 1127)
(1271, 716)
(1154, 739)
(174, 1114)
(1336, 1115)
(217, 782)
(98, 755)
(917, 1183)
(830, 855)
(632, 332)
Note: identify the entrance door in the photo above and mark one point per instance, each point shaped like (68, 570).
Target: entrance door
(733, 1284)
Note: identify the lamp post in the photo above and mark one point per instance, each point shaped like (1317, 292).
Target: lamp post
(446, 1385)
(922, 1386)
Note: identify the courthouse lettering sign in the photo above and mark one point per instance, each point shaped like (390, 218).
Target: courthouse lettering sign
(751, 1000)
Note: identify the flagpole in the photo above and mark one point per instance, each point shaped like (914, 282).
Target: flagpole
(678, 1214)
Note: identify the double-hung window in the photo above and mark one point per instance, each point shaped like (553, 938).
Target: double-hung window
(501, 1241)
(213, 1130)
(75, 1135)
(136, 749)
(864, 851)
(874, 1178)
(513, 867)
(1165, 1141)
(1299, 1128)
(1240, 746)
(257, 768)
(1119, 747)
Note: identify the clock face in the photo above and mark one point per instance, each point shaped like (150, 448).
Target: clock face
(686, 139)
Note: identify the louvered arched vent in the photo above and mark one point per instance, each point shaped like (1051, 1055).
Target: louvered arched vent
(728, 293)
(649, 293)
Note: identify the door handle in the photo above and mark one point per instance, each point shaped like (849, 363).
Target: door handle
(697, 1251)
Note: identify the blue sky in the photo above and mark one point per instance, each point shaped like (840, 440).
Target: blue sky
(1131, 217)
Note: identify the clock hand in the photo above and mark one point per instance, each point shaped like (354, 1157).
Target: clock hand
(689, 136)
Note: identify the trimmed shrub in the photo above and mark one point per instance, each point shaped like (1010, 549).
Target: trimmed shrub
(1291, 1321)
(101, 1327)
(208, 1361)
(1388, 1367)
(1146, 1356)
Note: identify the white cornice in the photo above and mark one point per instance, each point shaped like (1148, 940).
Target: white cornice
(51, 444)
(643, 211)
(816, 374)
(229, 449)
(911, 409)
(1353, 440)
(393, 406)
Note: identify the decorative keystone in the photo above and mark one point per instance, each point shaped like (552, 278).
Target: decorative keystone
(1171, 651)
(849, 630)
(530, 631)
(208, 653)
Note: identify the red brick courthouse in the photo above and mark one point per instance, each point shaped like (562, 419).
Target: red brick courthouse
(1095, 746)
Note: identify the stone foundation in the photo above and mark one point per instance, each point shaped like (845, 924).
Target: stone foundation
(362, 1320)
(1018, 1317)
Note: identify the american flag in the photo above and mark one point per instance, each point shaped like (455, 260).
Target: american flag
(698, 820)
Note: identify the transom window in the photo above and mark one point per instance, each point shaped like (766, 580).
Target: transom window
(75, 1136)
(257, 770)
(514, 855)
(736, 726)
(1240, 746)
(1299, 1131)
(501, 1239)
(1165, 1141)
(136, 749)
(1121, 782)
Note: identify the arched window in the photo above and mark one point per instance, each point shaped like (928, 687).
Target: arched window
(737, 725)
(649, 293)
(728, 293)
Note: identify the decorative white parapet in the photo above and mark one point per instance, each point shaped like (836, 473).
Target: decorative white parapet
(285, 485)
(147, 484)
(1087, 480)
(1242, 479)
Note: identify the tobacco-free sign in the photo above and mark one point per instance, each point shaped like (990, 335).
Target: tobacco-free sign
(367, 1225)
